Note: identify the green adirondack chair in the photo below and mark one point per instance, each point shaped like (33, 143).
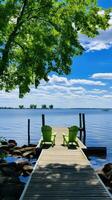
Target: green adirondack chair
(71, 137)
(48, 137)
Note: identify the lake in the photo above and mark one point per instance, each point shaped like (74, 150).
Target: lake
(13, 125)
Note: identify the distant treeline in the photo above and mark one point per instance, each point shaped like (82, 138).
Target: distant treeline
(32, 106)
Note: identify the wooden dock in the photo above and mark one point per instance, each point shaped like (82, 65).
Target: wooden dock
(64, 174)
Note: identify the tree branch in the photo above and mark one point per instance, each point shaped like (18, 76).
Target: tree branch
(5, 56)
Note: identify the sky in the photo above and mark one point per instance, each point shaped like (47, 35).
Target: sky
(89, 85)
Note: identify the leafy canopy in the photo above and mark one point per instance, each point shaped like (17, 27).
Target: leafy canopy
(41, 36)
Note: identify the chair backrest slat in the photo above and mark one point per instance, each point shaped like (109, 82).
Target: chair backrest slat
(47, 133)
(73, 131)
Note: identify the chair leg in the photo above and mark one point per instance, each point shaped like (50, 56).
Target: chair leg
(41, 143)
(64, 142)
(53, 142)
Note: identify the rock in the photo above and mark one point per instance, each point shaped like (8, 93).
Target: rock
(104, 179)
(3, 154)
(27, 149)
(11, 190)
(16, 153)
(9, 171)
(99, 171)
(13, 166)
(4, 147)
(107, 167)
(106, 175)
(38, 151)
(2, 178)
(11, 145)
(12, 142)
(21, 163)
(3, 163)
(10, 185)
(4, 143)
(32, 145)
(28, 168)
(25, 173)
(33, 162)
(28, 154)
(17, 147)
(24, 146)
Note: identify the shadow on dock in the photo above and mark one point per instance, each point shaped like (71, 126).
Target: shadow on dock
(66, 182)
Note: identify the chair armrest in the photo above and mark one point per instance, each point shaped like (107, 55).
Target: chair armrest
(65, 138)
(54, 134)
(65, 135)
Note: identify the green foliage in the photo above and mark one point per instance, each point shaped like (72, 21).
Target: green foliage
(38, 37)
(3, 154)
(2, 140)
(33, 106)
(44, 106)
(51, 106)
(21, 106)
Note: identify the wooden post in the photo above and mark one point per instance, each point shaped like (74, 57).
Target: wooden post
(84, 128)
(43, 120)
(80, 125)
(28, 131)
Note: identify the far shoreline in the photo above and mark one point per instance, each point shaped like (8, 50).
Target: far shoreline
(105, 109)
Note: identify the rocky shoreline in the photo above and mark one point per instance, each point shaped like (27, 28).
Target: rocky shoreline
(105, 175)
(16, 164)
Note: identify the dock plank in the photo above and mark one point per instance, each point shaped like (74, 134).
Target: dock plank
(64, 174)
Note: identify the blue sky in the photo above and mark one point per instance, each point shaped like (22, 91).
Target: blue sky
(88, 85)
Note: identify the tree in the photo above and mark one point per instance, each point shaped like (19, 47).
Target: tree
(33, 106)
(44, 106)
(51, 106)
(21, 106)
(38, 37)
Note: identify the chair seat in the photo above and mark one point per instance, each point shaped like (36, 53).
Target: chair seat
(52, 138)
(67, 141)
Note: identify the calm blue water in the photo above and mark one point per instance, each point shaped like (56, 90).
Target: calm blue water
(13, 125)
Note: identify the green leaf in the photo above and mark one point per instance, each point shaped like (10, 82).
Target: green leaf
(39, 37)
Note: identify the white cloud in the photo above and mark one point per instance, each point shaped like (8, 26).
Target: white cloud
(13, 20)
(86, 82)
(110, 21)
(102, 76)
(101, 12)
(97, 45)
(64, 81)
(108, 97)
(59, 89)
(62, 92)
(97, 91)
(57, 79)
(102, 41)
